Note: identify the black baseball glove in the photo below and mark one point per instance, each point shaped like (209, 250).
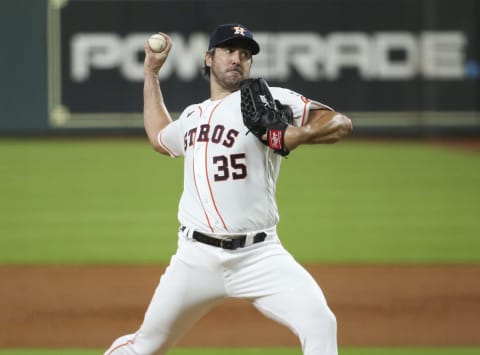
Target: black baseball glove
(263, 115)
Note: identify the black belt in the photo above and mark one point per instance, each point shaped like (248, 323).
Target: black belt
(231, 243)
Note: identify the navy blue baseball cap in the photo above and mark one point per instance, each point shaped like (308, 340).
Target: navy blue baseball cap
(230, 31)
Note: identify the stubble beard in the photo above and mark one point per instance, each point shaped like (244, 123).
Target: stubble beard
(230, 79)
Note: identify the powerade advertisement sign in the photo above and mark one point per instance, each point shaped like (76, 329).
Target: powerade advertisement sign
(358, 56)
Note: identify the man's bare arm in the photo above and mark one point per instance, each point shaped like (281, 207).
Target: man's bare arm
(323, 126)
(155, 113)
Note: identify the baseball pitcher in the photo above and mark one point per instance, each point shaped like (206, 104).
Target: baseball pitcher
(232, 145)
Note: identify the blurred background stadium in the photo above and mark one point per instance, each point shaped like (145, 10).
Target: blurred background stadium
(412, 67)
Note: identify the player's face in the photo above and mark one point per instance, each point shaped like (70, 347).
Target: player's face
(229, 66)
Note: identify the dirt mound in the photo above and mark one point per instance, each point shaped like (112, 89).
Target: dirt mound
(89, 306)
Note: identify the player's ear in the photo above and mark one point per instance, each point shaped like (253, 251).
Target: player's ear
(208, 59)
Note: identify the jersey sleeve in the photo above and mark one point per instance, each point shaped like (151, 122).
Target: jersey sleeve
(171, 138)
(300, 105)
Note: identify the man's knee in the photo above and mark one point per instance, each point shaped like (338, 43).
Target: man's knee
(319, 336)
(319, 327)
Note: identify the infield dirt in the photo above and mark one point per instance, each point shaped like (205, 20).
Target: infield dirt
(89, 306)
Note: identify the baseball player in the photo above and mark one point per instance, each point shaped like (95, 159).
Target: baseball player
(228, 246)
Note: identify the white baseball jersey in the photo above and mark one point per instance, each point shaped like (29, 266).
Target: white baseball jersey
(229, 175)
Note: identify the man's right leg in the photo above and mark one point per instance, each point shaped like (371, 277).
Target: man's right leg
(186, 292)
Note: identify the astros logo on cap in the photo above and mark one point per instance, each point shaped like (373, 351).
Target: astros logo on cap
(239, 30)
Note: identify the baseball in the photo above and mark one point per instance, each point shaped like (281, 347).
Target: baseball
(157, 42)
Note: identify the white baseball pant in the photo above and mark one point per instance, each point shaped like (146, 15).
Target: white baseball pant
(200, 276)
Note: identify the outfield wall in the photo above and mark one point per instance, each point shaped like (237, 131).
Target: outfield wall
(410, 67)
(23, 64)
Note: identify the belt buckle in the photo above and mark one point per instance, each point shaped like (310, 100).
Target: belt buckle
(223, 243)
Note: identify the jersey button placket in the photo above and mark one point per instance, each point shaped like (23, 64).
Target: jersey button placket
(201, 178)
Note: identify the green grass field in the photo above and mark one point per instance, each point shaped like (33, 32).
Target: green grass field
(263, 351)
(81, 201)
(115, 201)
